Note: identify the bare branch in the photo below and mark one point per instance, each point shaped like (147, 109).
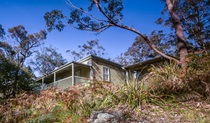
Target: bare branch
(100, 9)
(113, 23)
(68, 2)
(151, 45)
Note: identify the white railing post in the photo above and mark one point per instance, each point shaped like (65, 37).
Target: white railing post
(42, 86)
(91, 73)
(127, 77)
(55, 77)
(72, 73)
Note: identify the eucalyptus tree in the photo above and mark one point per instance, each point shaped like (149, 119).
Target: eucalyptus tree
(111, 16)
(194, 19)
(194, 16)
(82, 19)
(16, 47)
(91, 47)
(47, 59)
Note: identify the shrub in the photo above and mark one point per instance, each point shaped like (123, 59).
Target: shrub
(198, 73)
(166, 78)
(170, 79)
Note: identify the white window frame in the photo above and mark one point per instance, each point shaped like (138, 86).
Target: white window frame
(106, 74)
(135, 75)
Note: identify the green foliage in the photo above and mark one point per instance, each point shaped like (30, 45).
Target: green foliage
(140, 51)
(111, 16)
(166, 84)
(55, 115)
(133, 94)
(169, 79)
(53, 20)
(75, 104)
(194, 17)
(198, 73)
(8, 74)
(83, 20)
(14, 73)
(72, 105)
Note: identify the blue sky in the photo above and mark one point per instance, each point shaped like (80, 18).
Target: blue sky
(140, 14)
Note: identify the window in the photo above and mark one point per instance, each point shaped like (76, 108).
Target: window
(106, 74)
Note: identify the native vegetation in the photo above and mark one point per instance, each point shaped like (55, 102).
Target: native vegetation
(15, 76)
(46, 60)
(173, 91)
(158, 97)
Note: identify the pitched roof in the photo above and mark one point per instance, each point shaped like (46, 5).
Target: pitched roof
(139, 66)
(100, 59)
(80, 63)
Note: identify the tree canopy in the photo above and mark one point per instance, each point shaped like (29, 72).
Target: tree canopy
(47, 59)
(15, 75)
(92, 47)
(139, 50)
(194, 18)
(111, 11)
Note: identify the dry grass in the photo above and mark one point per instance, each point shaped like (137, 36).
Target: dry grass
(160, 100)
(76, 104)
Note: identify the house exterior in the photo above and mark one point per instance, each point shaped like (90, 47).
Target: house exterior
(138, 70)
(93, 68)
(87, 69)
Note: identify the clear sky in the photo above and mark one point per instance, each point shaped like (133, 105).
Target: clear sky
(140, 14)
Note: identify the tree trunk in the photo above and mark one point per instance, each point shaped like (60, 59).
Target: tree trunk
(181, 45)
(15, 86)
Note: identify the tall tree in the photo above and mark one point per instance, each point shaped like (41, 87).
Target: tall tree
(92, 47)
(13, 56)
(182, 42)
(47, 59)
(194, 16)
(82, 19)
(8, 75)
(186, 16)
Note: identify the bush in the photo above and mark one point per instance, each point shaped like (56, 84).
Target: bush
(198, 73)
(170, 79)
(166, 78)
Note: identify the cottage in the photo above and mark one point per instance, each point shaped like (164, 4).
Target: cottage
(87, 69)
(95, 68)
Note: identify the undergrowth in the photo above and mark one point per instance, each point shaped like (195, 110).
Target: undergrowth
(72, 105)
(170, 79)
(164, 85)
